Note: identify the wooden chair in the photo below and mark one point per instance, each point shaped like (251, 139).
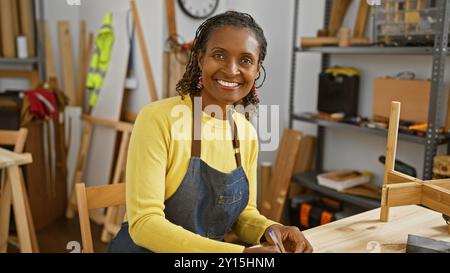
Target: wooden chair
(16, 139)
(94, 198)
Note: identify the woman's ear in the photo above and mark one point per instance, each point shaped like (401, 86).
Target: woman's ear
(200, 59)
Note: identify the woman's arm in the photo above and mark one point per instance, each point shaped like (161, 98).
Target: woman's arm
(145, 192)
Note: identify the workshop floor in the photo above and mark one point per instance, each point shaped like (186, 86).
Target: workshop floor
(55, 237)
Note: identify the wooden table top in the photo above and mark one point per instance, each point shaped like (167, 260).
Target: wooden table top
(365, 233)
(8, 158)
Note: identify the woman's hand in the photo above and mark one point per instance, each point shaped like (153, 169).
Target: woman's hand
(291, 237)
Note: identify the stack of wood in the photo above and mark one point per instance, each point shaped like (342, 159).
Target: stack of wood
(335, 35)
(16, 21)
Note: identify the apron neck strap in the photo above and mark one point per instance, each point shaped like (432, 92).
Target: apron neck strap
(196, 145)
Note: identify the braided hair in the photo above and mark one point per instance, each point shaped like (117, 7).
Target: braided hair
(188, 83)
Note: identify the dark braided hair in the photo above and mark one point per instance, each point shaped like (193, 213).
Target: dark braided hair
(188, 84)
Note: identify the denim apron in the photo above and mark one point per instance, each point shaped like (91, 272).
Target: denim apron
(207, 202)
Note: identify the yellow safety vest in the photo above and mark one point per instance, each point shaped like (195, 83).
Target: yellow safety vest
(100, 59)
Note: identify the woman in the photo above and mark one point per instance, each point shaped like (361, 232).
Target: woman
(189, 181)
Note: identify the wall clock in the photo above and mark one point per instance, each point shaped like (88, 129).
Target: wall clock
(198, 9)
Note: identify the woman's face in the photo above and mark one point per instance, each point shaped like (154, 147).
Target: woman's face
(229, 65)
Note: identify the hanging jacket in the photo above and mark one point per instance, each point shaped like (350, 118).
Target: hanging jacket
(100, 59)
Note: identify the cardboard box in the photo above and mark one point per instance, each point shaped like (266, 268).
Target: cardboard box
(414, 96)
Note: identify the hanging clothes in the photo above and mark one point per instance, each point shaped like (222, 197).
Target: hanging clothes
(100, 59)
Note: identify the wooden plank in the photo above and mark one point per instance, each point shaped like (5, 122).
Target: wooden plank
(287, 153)
(358, 233)
(7, 31)
(8, 158)
(117, 125)
(443, 183)
(145, 58)
(8, 137)
(330, 41)
(20, 212)
(83, 214)
(67, 64)
(398, 177)
(305, 161)
(105, 196)
(391, 146)
(338, 12)
(361, 19)
(171, 19)
(80, 167)
(5, 213)
(88, 52)
(82, 62)
(404, 194)
(436, 198)
(119, 175)
(49, 57)
(15, 18)
(26, 25)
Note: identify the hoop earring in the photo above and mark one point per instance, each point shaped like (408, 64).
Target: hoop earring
(200, 82)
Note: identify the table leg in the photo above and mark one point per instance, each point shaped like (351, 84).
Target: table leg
(20, 212)
(34, 242)
(5, 213)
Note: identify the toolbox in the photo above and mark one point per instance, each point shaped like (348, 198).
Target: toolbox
(339, 91)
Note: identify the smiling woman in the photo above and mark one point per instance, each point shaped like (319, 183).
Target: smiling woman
(183, 194)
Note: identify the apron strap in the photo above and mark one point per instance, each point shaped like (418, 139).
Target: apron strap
(196, 146)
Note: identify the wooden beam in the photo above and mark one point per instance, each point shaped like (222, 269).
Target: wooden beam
(436, 198)
(338, 12)
(145, 58)
(404, 194)
(26, 25)
(65, 47)
(443, 183)
(171, 19)
(391, 146)
(105, 196)
(118, 125)
(7, 29)
(398, 177)
(287, 153)
(361, 19)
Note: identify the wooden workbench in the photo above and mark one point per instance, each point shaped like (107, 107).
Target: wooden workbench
(365, 233)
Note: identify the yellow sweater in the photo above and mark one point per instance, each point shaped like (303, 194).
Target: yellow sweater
(158, 159)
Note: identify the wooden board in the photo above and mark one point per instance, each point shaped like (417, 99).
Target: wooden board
(100, 159)
(171, 18)
(273, 205)
(305, 161)
(82, 62)
(26, 25)
(365, 233)
(338, 12)
(361, 19)
(8, 158)
(330, 41)
(7, 31)
(67, 64)
(145, 57)
(49, 57)
(15, 17)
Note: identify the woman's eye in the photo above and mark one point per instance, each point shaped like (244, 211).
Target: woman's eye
(218, 56)
(247, 61)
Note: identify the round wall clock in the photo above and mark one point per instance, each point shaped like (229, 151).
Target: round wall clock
(198, 9)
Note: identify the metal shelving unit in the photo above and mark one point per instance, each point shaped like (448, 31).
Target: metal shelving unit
(32, 63)
(439, 53)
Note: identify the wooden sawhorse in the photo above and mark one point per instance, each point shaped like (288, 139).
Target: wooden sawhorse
(14, 189)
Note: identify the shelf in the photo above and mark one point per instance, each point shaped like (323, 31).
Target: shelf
(375, 131)
(17, 61)
(309, 180)
(370, 50)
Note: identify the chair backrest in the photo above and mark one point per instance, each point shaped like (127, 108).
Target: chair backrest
(14, 138)
(96, 197)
